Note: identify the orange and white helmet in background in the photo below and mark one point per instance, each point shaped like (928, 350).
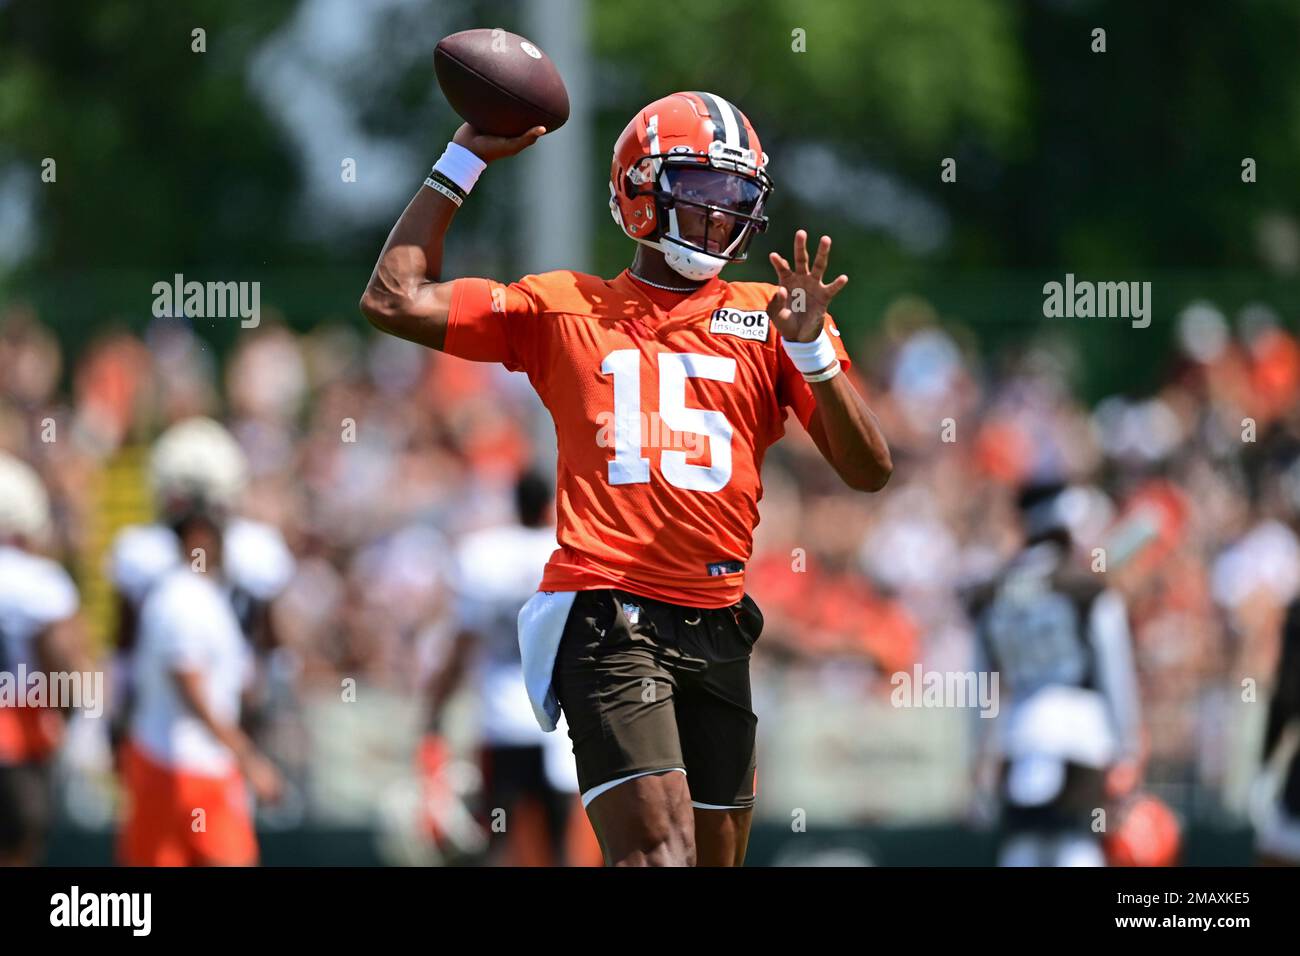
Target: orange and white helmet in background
(697, 150)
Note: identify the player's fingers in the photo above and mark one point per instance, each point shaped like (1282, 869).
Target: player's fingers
(780, 265)
(518, 143)
(778, 300)
(801, 251)
(834, 288)
(823, 256)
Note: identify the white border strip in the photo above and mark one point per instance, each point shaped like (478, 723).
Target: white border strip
(596, 791)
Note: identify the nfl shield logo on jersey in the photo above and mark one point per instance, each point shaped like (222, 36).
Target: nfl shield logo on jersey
(633, 613)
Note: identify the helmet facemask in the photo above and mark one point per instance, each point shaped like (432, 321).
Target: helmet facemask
(709, 208)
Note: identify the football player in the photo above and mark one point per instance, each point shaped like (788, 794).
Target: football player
(666, 385)
(187, 764)
(1067, 738)
(497, 570)
(40, 632)
(256, 568)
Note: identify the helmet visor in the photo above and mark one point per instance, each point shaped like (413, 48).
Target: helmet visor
(716, 211)
(712, 187)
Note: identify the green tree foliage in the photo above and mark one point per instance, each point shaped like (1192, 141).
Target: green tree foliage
(164, 154)
(1122, 165)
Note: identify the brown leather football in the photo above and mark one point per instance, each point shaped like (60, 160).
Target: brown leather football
(500, 83)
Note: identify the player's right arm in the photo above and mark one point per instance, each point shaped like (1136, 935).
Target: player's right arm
(406, 296)
(1112, 640)
(261, 773)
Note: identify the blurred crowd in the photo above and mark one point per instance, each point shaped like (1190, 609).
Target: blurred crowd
(374, 457)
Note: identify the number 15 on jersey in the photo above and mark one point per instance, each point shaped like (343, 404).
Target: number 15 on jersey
(628, 465)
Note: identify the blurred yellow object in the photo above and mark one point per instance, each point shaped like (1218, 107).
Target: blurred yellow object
(121, 498)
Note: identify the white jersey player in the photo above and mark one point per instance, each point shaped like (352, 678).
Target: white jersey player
(185, 754)
(40, 632)
(256, 568)
(496, 572)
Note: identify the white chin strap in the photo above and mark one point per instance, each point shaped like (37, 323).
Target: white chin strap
(687, 263)
(696, 266)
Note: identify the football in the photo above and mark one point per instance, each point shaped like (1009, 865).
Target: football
(500, 83)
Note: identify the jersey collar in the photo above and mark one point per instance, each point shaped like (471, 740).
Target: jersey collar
(703, 297)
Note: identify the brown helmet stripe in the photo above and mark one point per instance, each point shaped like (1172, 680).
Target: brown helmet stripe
(726, 120)
(715, 114)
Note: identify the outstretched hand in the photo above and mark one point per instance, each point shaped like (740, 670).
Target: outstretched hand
(798, 309)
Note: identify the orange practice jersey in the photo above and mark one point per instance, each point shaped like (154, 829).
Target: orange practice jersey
(662, 417)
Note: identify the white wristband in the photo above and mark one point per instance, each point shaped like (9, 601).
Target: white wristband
(809, 357)
(825, 376)
(460, 165)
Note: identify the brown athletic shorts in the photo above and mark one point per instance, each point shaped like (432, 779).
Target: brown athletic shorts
(646, 685)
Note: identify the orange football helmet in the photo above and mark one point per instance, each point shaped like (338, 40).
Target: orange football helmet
(1146, 834)
(690, 151)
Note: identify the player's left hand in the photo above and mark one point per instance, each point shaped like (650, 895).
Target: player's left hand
(798, 309)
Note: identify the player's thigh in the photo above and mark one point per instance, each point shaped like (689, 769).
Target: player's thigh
(717, 725)
(227, 836)
(646, 821)
(156, 827)
(616, 695)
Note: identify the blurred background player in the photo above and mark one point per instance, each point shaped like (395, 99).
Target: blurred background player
(257, 566)
(1067, 736)
(40, 631)
(186, 761)
(527, 774)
